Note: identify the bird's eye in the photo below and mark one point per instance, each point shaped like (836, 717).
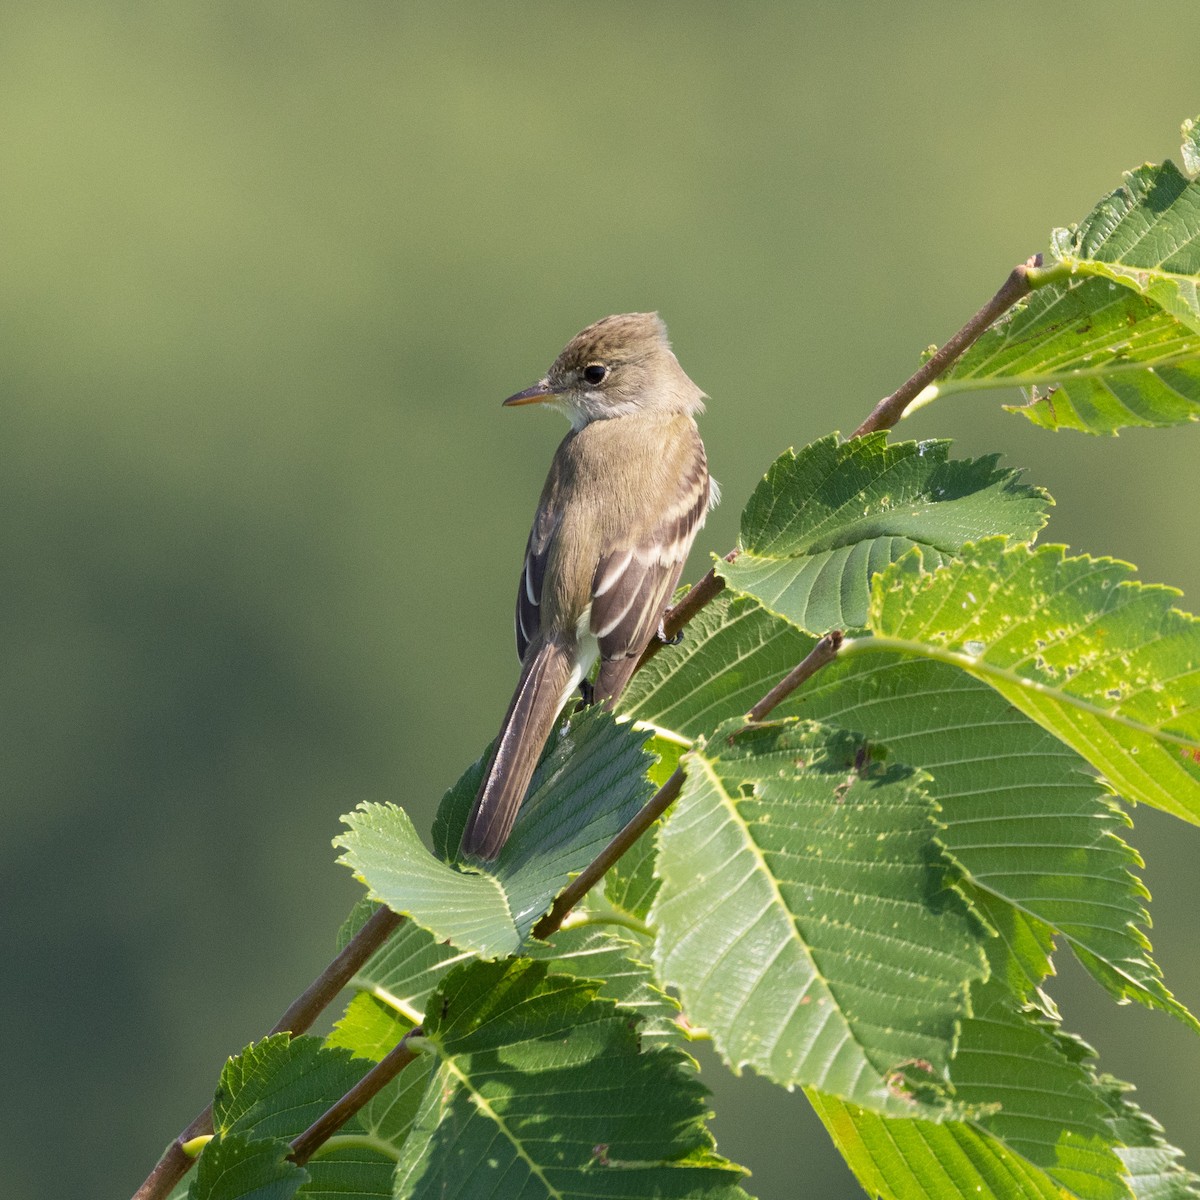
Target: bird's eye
(594, 373)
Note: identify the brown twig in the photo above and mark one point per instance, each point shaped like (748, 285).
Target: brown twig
(697, 597)
(595, 870)
(334, 1117)
(891, 408)
(823, 653)
(298, 1017)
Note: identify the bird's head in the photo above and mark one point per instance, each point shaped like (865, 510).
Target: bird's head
(622, 364)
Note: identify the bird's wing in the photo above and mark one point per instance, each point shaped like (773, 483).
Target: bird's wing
(637, 576)
(533, 575)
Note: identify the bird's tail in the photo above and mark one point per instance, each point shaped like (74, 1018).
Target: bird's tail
(547, 677)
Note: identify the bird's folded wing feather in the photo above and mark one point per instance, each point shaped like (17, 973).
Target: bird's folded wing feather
(533, 574)
(637, 576)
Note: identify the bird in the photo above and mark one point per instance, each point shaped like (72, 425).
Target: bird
(627, 492)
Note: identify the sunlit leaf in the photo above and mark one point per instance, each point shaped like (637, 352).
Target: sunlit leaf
(1048, 1132)
(1189, 131)
(1105, 664)
(1116, 342)
(1155, 1168)
(825, 520)
(543, 1089)
(804, 916)
(1019, 812)
(1091, 356)
(1144, 236)
(591, 780)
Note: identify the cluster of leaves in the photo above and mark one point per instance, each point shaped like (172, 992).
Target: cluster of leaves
(861, 895)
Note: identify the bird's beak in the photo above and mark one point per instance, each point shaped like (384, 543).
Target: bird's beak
(540, 393)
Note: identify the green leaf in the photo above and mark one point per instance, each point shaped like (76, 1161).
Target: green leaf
(235, 1167)
(591, 780)
(1117, 341)
(1105, 664)
(1155, 1168)
(1189, 131)
(278, 1087)
(405, 969)
(1109, 357)
(386, 853)
(369, 1027)
(1156, 1173)
(918, 1160)
(1051, 1135)
(1144, 236)
(824, 521)
(1052, 1112)
(346, 1167)
(542, 1088)
(805, 920)
(1026, 945)
(619, 962)
(733, 651)
(1019, 813)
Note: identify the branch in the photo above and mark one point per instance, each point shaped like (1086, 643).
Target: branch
(823, 653)
(595, 870)
(370, 1085)
(697, 597)
(891, 408)
(299, 1016)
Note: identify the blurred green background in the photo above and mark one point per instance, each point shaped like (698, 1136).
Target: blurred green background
(268, 270)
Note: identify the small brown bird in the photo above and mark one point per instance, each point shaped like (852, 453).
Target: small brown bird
(627, 492)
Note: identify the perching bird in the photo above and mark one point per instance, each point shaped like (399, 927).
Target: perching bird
(627, 492)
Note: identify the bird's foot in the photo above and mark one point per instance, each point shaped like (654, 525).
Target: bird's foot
(668, 641)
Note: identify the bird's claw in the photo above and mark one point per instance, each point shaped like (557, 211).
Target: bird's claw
(668, 641)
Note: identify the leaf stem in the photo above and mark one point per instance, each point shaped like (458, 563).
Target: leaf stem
(1039, 276)
(298, 1017)
(697, 597)
(1017, 286)
(623, 920)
